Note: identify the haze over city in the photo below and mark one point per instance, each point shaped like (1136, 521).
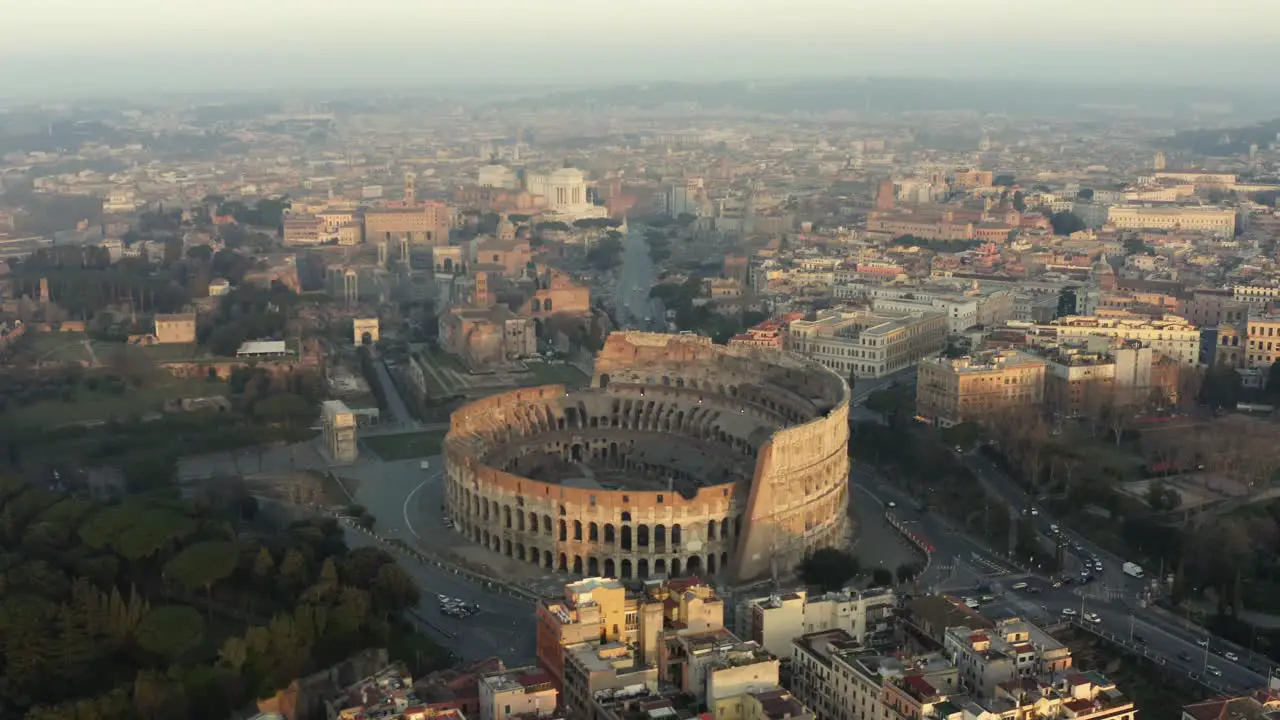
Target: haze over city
(702, 360)
(81, 46)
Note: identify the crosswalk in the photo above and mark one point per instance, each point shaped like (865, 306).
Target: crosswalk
(989, 565)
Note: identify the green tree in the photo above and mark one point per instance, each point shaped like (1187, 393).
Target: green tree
(887, 404)
(393, 590)
(907, 572)
(882, 577)
(171, 631)
(203, 564)
(1066, 222)
(829, 568)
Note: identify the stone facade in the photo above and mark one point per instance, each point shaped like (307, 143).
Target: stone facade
(684, 457)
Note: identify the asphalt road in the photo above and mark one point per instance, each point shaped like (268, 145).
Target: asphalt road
(503, 627)
(635, 280)
(1115, 597)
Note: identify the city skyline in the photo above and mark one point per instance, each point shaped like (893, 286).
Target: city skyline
(145, 45)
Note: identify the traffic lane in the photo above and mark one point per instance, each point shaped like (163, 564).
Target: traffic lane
(1118, 621)
(503, 627)
(879, 543)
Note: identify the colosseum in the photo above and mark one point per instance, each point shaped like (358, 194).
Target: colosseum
(682, 457)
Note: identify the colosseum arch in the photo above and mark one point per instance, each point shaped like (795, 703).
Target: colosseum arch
(683, 458)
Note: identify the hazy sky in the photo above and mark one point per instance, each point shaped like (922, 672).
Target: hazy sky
(105, 46)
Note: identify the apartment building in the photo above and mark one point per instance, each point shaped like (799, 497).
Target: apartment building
(768, 334)
(1013, 650)
(868, 343)
(592, 609)
(1169, 335)
(603, 610)
(596, 669)
(774, 621)
(1256, 295)
(1082, 376)
(839, 679)
(1218, 221)
(1263, 329)
(524, 693)
(972, 388)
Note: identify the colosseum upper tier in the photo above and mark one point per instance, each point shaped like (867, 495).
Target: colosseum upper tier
(683, 457)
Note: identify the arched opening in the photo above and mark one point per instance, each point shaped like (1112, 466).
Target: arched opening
(694, 566)
(577, 530)
(563, 566)
(546, 305)
(711, 563)
(506, 516)
(626, 569)
(604, 380)
(609, 567)
(608, 533)
(659, 567)
(506, 548)
(724, 561)
(660, 536)
(564, 533)
(366, 338)
(546, 524)
(675, 567)
(642, 569)
(642, 536)
(593, 567)
(626, 538)
(711, 529)
(577, 451)
(533, 522)
(577, 564)
(675, 536)
(546, 559)
(520, 551)
(593, 532)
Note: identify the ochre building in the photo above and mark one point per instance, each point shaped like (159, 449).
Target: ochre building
(683, 457)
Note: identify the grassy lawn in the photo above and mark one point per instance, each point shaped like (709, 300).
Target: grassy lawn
(406, 445)
(62, 347)
(541, 373)
(89, 405)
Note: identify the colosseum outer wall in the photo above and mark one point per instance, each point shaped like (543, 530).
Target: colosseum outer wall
(795, 501)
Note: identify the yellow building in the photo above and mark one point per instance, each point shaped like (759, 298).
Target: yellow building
(176, 328)
(868, 343)
(1263, 329)
(524, 692)
(1218, 221)
(950, 391)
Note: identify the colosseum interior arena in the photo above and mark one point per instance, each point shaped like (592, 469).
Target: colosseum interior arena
(683, 457)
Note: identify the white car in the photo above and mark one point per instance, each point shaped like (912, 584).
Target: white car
(1053, 529)
(1093, 617)
(1018, 586)
(971, 602)
(1214, 671)
(1203, 642)
(1231, 656)
(1068, 612)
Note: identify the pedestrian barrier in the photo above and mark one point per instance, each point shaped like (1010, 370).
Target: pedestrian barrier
(920, 543)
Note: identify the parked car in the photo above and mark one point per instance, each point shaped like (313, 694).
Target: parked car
(1231, 656)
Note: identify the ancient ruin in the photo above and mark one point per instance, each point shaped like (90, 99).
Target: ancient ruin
(683, 457)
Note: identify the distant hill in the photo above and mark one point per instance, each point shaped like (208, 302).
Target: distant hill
(1225, 141)
(906, 95)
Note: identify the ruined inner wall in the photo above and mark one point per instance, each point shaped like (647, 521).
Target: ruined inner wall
(775, 426)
